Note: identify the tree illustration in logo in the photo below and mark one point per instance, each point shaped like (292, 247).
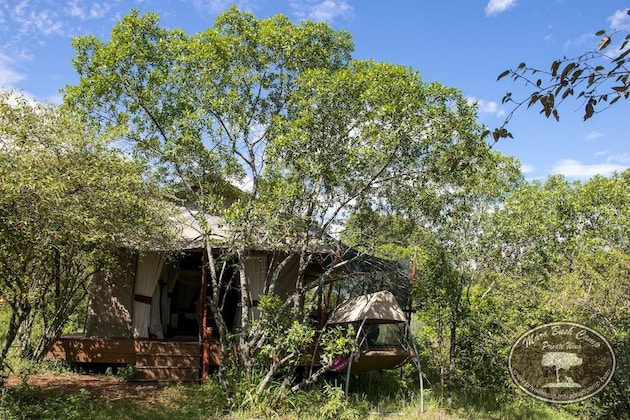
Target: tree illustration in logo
(561, 360)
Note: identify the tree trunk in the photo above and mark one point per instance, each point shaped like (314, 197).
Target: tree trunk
(24, 336)
(19, 313)
(452, 365)
(245, 351)
(271, 372)
(312, 379)
(217, 314)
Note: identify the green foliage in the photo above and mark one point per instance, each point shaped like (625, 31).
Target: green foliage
(68, 201)
(175, 401)
(30, 402)
(326, 140)
(284, 338)
(202, 109)
(317, 133)
(125, 372)
(598, 78)
(556, 250)
(337, 342)
(336, 405)
(208, 401)
(499, 264)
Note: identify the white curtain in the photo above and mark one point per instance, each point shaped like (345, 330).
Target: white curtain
(256, 267)
(147, 275)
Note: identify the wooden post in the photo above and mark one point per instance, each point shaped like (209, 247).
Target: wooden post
(204, 334)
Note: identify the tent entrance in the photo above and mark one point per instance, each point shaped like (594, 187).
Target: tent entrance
(184, 301)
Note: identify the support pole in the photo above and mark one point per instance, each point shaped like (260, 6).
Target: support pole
(356, 340)
(417, 356)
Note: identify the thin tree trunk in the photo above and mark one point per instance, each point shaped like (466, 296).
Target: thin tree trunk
(24, 336)
(245, 351)
(217, 314)
(19, 313)
(272, 371)
(311, 379)
(452, 366)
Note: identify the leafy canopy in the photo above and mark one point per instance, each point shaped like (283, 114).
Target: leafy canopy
(598, 78)
(68, 201)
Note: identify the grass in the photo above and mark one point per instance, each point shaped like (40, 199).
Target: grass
(375, 396)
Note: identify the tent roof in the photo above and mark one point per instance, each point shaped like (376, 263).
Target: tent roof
(190, 232)
(380, 306)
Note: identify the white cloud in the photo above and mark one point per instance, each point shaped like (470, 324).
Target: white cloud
(623, 158)
(575, 169)
(527, 168)
(499, 6)
(85, 12)
(321, 11)
(8, 76)
(32, 20)
(486, 107)
(593, 135)
(620, 20)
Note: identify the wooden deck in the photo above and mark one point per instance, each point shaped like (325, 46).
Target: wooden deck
(154, 360)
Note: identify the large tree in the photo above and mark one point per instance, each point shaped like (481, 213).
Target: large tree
(68, 201)
(202, 109)
(284, 108)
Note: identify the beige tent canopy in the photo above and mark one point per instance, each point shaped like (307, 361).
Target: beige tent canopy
(373, 309)
(380, 307)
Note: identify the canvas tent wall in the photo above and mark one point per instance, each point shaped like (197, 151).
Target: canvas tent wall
(124, 303)
(135, 300)
(109, 308)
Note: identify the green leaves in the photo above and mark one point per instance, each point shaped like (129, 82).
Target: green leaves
(502, 75)
(599, 85)
(68, 201)
(316, 133)
(284, 338)
(337, 342)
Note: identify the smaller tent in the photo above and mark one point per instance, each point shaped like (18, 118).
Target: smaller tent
(379, 345)
(380, 307)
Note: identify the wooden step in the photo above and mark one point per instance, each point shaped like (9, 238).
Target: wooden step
(167, 360)
(166, 373)
(168, 348)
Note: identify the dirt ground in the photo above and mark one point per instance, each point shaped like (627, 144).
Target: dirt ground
(108, 387)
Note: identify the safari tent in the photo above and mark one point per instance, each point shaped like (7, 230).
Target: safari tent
(152, 312)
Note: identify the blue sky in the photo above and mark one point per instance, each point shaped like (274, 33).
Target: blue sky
(463, 44)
